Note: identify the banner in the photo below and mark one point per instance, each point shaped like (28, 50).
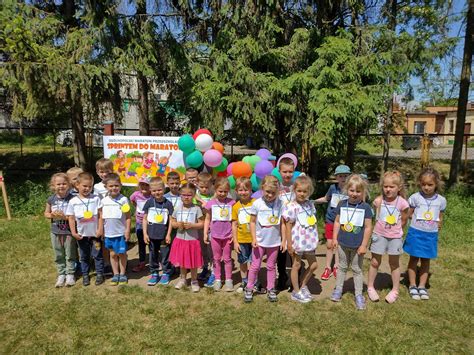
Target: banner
(136, 157)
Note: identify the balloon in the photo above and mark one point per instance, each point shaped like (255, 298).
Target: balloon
(262, 168)
(222, 173)
(257, 194)
(231, 182)
(277, 174)
(246, 159)
(218, 146)
(194, 160)
(265, 154)
(295, 175)
(255, 182)
(186, 143)
(229, 169)
(289, 155)
(201, 131)
(204, 142)
(240, 169)
(253, 160)
(222, 166)
(212, 158)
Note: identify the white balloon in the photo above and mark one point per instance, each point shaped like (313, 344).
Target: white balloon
(204, 142)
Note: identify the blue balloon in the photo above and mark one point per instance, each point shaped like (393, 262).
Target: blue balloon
(295, 175)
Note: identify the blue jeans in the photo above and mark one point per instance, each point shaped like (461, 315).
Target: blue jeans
(91, 247)
(141, 243)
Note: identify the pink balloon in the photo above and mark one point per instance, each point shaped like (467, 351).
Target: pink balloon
(288, 155)
(229, 169)
(212, 158)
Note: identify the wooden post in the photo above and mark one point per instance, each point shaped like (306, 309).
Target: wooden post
(5, 197)
(425, 151)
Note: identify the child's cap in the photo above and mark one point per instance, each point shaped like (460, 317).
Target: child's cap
(342, 169)
(144, 180)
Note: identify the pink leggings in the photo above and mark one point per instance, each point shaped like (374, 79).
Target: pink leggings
(221, 249)
(257, 256)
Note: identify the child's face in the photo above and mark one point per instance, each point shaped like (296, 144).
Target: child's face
(390, 189)
(187, 196)
(144, 188)
(302, 193)
(103, 173)
(354, 194)
(73, 178)
(269, 194)
(222, 192)
(157, 191)
(84, 187)
(428, 185)
(174, 186)
(204, 188)
(286, 172)
(60, 185)
(341, 179)
(113, 188)
(243, 192)
(191, 176)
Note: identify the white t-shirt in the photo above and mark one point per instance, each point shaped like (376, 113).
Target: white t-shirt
(114, 218)
(268, 222)
(100, 190)
(81, 208)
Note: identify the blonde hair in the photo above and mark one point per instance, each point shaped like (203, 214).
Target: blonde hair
(74, 170)
(243, 181)
(357, 181)
(286, 161)
(270, 182)
(222, 182)
(156, 180)
(104, 164)
(188, 186)
(435, 174)
(85, 176)
(396, 177)
(58, 175)
(204, 178)
(304, 181)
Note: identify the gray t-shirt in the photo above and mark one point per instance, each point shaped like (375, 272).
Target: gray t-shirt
(192, 215)
(59, 226)
(355, 214)
(426, 211)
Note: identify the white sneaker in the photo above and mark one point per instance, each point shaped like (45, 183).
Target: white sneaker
(195, 286)
(70, 280)
(229, 286)
(60, 281)
(217, 285)
(180, 284)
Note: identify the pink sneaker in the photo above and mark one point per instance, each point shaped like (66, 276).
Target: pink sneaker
(392, 296)
(373, 295)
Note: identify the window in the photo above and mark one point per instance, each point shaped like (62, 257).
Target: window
(451, 126)
(419, 127)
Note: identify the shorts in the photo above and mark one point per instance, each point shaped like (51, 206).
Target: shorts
(328, 230)
(245, 255)
(306, 252)
(117, 244)
(382, 245)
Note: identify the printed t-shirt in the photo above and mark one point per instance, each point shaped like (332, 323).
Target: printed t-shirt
(114, 218)
(356, 214)
(304, 233)
(57, 203)
(267, 233)
(241, 214)
(426, 211)
(85, 211)
(158, 213)
(389, 217)
(139, 199)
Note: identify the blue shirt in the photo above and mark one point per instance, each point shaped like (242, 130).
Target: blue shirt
(331, 211)
(353, 239)
(158, 230)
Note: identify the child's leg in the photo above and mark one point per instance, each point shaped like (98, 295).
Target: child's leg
(373, 269)
(114, 262)
(257, 255)
(227, 254)
(164, 258)
(295, 268)
(424, 272)
(244, 271)
(281, 263)
(70, 246)
(357, 261)
(412, 263)
(194, 274)
(183, 272)
(154, 249)
(217, 250)
(85, 246)
(344, 257)
(59, 252)
(313, 265)
(123, 263)
(394, 263)
(141, 244)
(97, 255)
(272, 255)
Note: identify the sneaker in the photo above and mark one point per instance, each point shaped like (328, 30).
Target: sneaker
(203, 275)
(336, 295)
(248, 295)
(423, 292)
(334, 272)
(165, 280)
(305, 291)
(217, 285)
(139, 268)
(414, 294)
(326, 274)
(180, 284)
(272, 295)
(391, 297)
(299, 297)
(123, 280)
(242, 286)
(373, 295)
(60, 281)
(228, 286)
(195, 286)
(153, 280)
(210, 281)
(115, 280)
(99, 280)
(86, 281)
(70, 280)
(360, 302)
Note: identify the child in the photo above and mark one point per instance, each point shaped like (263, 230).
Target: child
(157, 231)
(301, 236)
(266, 236)
(103, 167)
(64, 245)
(174, 182)
(191, 176)
(426, 212)
(352, 228)
(115, 224)
(139, 199)
(241, 227)
(219, 220)
(392, 215)
(83, 212)
(333, 196)
(204, 192)
(186, 249)
(72, 175)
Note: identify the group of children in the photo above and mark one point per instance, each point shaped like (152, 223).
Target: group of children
(195, 225)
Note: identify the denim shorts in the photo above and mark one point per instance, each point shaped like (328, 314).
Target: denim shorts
(117, 244)
(245, 255)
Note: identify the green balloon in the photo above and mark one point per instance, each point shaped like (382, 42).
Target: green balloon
(247, 159)
(195, 159)
(231, 181)
(277, 174)
(186, 143)
(255, 182)
(222, 166)
(254, 159)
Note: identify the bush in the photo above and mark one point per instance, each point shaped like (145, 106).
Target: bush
(27, 199)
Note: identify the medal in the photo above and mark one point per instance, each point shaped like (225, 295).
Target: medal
(125, 208)
(273, 219)
(348, 227)
(224, 212)
(159, 218)
(428, 215)
(311, 220)
(247, 219)
(88, 214)
(391, 220)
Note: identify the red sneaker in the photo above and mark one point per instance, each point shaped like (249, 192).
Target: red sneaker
(139, 267)
(326, 274)
(334, 272)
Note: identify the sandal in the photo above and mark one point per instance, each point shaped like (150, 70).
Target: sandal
(423, 293)
(373, 295)
(414, 294)
(391, 296)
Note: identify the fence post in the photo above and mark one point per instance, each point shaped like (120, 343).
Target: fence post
(109, 128)
(425, 151)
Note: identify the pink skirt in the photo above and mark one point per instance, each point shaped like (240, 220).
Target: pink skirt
(186, 253)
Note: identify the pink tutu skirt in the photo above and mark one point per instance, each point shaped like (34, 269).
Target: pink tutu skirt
(186, 253)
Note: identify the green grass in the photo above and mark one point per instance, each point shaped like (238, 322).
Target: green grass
(36, 317)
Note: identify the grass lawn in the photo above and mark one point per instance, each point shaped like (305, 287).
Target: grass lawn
(37, 317)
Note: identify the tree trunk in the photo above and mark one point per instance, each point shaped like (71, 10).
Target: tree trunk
(463, 97)
(351, 145)
(116, 99)
(143, 117)
(79, 141)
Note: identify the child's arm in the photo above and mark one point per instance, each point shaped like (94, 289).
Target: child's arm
(440, 223)
(367, 233)
(335, 233)
(321, 200)
(47, 211)
(145, 229)
(175, 224)
(128, 223)
(289, 243)
(199, 224)
(253, 230)
(100, 226)
(72, 227)
(410, 212)
(234, 236)
(168, 233)
(405, 214)
(207, 222)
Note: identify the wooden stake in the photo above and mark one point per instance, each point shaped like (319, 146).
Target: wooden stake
(5, 197)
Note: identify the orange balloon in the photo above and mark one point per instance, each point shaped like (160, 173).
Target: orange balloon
(240, 169)
(219, 147)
